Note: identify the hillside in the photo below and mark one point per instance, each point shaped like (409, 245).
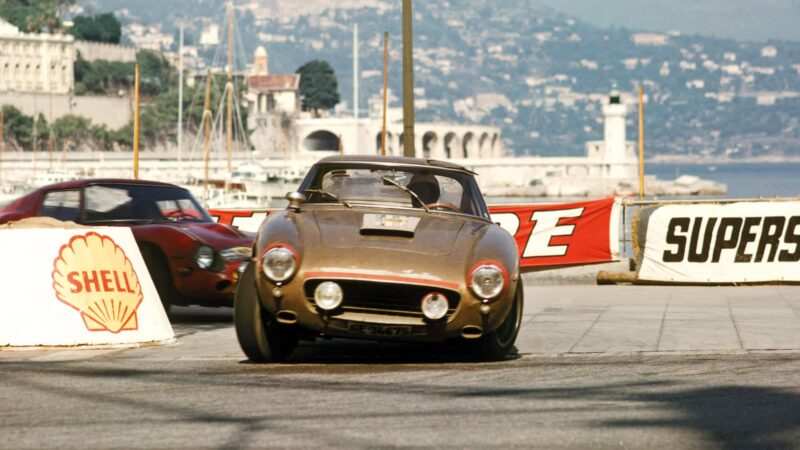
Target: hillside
(537, 73)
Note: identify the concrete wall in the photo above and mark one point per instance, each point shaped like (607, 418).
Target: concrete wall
(113, 112)
(110, 52)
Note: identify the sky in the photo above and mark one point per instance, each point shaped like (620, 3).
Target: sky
(757, 20)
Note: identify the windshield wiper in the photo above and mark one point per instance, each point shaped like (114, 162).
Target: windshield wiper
(409, 191)
(329, 195)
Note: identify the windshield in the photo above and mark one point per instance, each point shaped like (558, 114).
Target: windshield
(132, 202)
(410, 187)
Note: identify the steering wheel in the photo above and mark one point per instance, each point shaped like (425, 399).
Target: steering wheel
(179, 215)
(443, 205)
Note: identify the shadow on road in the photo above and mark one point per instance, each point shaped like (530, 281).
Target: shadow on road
(727, 416)
(200, 315)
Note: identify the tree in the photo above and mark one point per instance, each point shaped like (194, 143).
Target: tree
(34, 15)
(100, 28)
(72, 130)
(318, 86)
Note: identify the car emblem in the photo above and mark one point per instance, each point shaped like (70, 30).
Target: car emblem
(390, 221)
(93, 275)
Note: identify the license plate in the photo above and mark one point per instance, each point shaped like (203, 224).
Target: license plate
(379, 330)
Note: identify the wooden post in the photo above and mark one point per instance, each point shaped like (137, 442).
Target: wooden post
(385, 87)
(408, 81)
(136, 122)
(641, 142)
(207, 132)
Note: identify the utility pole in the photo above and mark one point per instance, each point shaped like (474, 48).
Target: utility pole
(385, 83)
(408, 81)
(355, 80)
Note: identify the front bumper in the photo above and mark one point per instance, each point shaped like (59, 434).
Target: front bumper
(204, 287)
(382, 307)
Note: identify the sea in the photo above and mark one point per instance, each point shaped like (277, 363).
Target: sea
(744, 180)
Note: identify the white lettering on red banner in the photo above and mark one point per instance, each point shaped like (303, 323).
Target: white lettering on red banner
(551, 234)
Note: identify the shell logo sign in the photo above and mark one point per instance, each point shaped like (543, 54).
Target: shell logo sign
(93, 275)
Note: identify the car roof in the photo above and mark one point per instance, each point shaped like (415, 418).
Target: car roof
(74, 184)
(394, 161)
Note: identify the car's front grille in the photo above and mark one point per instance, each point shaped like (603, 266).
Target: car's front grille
(383, 298)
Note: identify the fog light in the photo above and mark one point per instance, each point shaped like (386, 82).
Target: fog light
(328, 296)
(434, 306)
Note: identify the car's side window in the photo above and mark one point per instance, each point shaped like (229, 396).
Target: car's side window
(61, 205)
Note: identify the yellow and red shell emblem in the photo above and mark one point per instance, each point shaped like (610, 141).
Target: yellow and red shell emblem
(93, 275)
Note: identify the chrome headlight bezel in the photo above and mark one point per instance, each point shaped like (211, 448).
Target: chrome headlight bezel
(487, 280)
(204, 257)
(235, 254)
(275, 256)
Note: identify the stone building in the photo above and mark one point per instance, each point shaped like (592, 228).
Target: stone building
(36, 76)
(38, 63)
(269, 93)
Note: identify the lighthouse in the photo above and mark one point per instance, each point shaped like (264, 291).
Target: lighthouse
(616, 160)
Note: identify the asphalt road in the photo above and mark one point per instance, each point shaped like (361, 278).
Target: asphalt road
(201, 393)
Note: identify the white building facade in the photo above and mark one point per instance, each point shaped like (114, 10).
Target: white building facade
(35, 63)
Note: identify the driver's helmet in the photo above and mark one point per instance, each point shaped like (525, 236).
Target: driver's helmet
(426, 187)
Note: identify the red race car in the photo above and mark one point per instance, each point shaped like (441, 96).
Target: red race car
(191, 259)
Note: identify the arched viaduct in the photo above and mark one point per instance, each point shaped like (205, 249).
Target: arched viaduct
(433, 140)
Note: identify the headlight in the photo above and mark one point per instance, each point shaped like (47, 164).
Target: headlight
(279, 263)
(204, 257)
(434, 306)
(487, 281)
(328, 296)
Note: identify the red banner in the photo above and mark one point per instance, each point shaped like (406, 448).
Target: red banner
(547, 234)
(560, 234)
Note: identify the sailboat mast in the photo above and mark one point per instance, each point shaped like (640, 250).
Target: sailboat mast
(50, 134)
(180, 99)
(229, 90)
(136, 122)
(207, 134)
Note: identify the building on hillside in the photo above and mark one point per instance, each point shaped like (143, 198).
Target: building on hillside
(38, 63)
(37, 76)
(269, 93)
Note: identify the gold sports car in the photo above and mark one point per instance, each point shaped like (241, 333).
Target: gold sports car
(382, 248)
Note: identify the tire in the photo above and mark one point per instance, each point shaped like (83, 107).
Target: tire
(496, 346)
(161, 276)
(261, 338)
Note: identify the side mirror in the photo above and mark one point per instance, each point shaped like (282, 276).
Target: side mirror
(295, 200)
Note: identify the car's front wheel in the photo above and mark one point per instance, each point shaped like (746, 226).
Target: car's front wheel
(498, 344)
(261, 337)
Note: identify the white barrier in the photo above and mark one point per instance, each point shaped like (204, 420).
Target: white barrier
(747, 242)
(71, 287)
